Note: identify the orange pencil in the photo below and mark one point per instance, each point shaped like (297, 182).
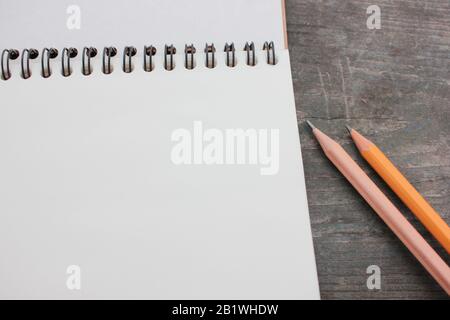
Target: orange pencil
(404, 190)
(412, 239)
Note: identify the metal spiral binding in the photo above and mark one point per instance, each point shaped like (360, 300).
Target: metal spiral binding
(88, 53)
(47, 54)
(270, 49)
(129, 52)
(169, 51)
(149, 52)
(108, 53)
(251, 54)
(210, 52)
(8, 54)
(27, 54)
(67, 54)
(189, 60)
(230, 51)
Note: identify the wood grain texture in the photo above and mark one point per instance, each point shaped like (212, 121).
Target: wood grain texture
(393, 85)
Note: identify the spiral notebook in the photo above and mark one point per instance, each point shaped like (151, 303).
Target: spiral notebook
(153, 153)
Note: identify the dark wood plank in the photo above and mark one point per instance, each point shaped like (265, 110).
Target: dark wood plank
(393, 85)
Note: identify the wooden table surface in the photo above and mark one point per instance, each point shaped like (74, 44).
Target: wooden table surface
(393, 85)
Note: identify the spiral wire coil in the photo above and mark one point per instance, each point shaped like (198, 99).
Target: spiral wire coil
(129, 52)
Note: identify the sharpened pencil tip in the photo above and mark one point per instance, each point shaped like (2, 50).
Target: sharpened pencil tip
(349, 129)
(310, 124)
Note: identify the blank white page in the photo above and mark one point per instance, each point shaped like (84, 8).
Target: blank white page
(88, 179)
(100, 23)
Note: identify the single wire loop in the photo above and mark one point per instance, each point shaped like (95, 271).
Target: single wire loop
(251, 55)
(47, 54)
(230, 55)
(67, 54)
(149, 52)
(270, 49)
(27, 54)
(88, 53)
(189, 59)
(7, 55)
(210, 52)
(169, 52)
(128, 53)
(108, 53)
